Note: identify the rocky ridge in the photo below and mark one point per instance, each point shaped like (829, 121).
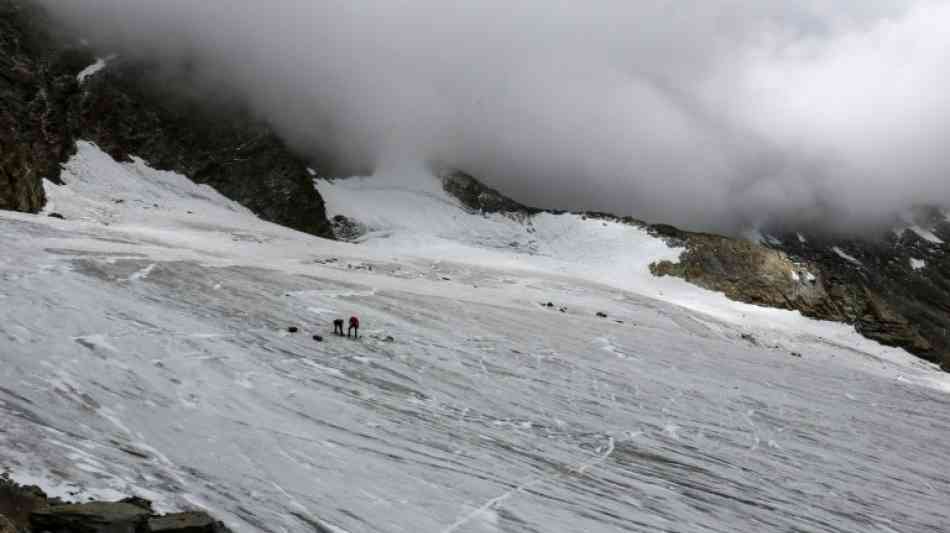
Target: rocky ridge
(878, 285)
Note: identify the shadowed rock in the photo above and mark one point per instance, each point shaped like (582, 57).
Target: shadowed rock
(17, 502)
(93, 517)
(191, 522)
(6, 526)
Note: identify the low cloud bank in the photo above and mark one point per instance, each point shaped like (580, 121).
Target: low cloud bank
(705, 114)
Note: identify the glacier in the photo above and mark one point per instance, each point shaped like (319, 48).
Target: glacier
(145, 351)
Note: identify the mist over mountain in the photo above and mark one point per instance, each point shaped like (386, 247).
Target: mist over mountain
(705, 115)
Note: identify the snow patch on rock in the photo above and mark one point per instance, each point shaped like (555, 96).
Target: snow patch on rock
(844, 255)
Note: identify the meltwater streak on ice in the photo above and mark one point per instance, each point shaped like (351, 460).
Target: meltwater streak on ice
(150, 356)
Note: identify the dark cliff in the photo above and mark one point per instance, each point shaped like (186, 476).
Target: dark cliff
(132, 108)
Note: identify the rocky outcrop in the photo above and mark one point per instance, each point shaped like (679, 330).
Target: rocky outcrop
(18, 502)
(193, 522)
(26, 509)
(767, 276)
(93, 517)
(749, 273)
(479, 197)
(130, 108)
(903, 280)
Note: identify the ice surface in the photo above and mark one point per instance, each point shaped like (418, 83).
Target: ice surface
(93, 69)
(926, 235)
(844, 255)
(145, 351)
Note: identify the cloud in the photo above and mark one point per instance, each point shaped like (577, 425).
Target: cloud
(704, 114)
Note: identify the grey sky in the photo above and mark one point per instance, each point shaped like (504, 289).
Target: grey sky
(694, 112)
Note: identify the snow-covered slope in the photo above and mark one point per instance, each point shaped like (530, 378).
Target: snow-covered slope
(145, 351)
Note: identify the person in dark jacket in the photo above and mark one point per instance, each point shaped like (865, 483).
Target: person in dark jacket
(338, 327)
(354, 327)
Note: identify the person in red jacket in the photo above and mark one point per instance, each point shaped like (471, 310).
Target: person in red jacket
(354, 327)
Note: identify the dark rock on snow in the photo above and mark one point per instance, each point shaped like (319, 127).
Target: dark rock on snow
(292, 329)
(192, 522)
(93, 517)
(25, 509)
(477, 196)
(883, 297)
(346, 229)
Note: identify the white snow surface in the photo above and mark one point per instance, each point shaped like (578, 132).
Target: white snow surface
(93, 69)
(926, 235)
(917, 264)
(145, 352)
(845, 255)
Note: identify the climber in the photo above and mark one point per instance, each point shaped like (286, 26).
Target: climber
(354, 326)
(338, 327)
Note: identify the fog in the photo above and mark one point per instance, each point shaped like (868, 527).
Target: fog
(704, 114)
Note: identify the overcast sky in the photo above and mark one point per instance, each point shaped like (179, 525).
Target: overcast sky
(700, 113)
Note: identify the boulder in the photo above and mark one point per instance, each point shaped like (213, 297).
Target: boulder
(190, 522)
(93, 517)
(139, 502)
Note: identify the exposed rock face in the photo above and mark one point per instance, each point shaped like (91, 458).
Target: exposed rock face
(817, 287)
(128, 109)
(903, 280)
(479, 197)
(33, 131)
(96, 517)
(748, 273)
(18, 502)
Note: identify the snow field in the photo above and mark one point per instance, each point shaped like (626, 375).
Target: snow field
(145, 351)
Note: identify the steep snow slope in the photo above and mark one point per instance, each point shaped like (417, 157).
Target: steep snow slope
(145, 351)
